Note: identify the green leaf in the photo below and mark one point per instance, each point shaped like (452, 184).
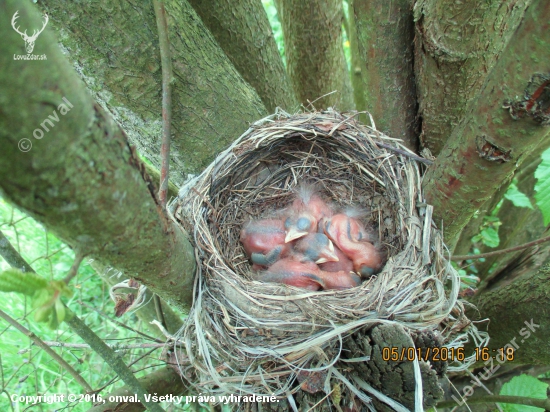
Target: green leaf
(542, 187)
(526, 386)
(518, 198)
(489, 237)
(27, 283)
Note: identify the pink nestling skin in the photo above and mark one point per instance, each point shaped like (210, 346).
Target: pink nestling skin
(305, 212)
(349, 235)
(294, 270)
(316, 247)
(264, 241)
(339, 280)
(344, 263)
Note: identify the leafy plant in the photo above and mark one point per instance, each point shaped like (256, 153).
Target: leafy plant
(527, 386)
(488, 234)
(518, 198)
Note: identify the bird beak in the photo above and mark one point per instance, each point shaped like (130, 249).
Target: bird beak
(328, 255)
(294, 234)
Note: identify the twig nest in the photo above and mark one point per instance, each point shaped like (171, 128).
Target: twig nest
(243, 335)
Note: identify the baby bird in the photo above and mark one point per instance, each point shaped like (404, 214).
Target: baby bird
(339, 280)
(264, 241)
(343, 264)
(304, 213)
(316, 247)
(350, 236)
(295, 270)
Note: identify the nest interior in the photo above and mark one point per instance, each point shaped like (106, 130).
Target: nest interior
(245, 335)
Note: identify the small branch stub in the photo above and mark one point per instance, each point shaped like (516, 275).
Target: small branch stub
(535, 102)
(491, 151)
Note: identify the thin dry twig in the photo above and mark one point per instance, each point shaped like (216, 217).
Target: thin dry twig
(114, 346)
(166, 61)
(39, 342)
(502, 251)
(79, 256)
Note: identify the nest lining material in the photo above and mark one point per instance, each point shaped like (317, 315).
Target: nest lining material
(247, 336)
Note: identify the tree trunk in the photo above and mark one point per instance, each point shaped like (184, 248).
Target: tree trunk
(114, 46)
(385, 31)
(243, 32)
(457, 44)
(81, 179)
(514, 310)
(314, 52)
(484, 150)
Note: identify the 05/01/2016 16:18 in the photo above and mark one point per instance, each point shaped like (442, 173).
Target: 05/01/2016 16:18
(443, 354)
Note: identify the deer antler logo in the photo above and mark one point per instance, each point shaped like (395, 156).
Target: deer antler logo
(29, 40)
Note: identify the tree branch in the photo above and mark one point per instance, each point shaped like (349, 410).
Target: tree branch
(359, 92)
(456, 46)
(82, 180)
(484, 150)
(385, 33)
(502, 251)
(12, 256)
(111, 358)
(314, 52)
(247, 40)
(93, 341)
(166, 62)
(43, 345)
(79, 256)
(119, 59)
(114, 346)
(518, 400)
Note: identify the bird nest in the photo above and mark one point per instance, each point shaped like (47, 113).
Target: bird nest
(243, 336)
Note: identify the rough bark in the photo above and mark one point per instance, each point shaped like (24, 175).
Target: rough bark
(385, 31)
(457, 44)
(114, 46)
(315, 55)
(162, 382)
(359, 92)
(243, 32)
(512, 309)
(82, 179)
(488, 145)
